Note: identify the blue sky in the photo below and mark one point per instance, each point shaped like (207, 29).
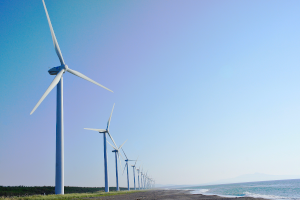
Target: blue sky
(204, 90)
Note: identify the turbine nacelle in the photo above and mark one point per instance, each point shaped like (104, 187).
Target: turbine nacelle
(56, 70)
(129, 160)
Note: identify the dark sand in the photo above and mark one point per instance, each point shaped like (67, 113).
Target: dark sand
(169, 195)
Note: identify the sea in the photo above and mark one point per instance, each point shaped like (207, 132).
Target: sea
(281, 189)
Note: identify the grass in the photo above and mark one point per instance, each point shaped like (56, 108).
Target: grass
(69, 196)
(70, 192)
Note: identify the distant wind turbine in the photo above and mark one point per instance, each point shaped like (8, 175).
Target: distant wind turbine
(117, 155)
(104, 131)
(133, 167)
(145, 179)
(142, 181)
(58, 80)
(126, 165)
(138, 172)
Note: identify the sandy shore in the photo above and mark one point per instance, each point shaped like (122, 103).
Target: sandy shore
(168, 195)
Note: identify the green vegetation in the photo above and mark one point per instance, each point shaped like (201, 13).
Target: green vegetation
(23, 192)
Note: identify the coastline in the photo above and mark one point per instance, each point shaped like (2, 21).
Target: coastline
(157, 194)
(165, 194)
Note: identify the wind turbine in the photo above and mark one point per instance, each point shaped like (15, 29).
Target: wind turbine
(144, 180)
(104, 131)
(127, 168)
(117, 155)
(133, 166)
(58, 80)
(138, 172)
(149, 182)
(152, 183)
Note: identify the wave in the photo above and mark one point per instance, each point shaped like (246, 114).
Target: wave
(265, 196)
(246, 194)
(199, 191)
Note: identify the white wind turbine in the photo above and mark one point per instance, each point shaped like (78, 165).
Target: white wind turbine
(58, 80)
(126, 165)
(133, 167)
(117, 155)
(104, 131)
(138, 172)
(145, 179)
(142, 179)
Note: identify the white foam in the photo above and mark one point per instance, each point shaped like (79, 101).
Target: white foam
(206, 192)
(248, 194)
(200, 191)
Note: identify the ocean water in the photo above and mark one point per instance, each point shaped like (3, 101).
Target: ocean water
(282, 189)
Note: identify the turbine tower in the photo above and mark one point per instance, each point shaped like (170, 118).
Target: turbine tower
(133, 166)
(58, 80)
(117, 155)
(104, 131)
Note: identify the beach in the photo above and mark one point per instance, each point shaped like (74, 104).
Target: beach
(168, 195)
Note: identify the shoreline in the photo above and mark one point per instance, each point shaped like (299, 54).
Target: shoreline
(223, 196)
(157, 194)
(165, 194)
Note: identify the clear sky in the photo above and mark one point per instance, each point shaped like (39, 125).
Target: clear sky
(204, 90)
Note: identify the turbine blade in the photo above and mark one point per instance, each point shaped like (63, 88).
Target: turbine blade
(136, 160)
(122, 156)
(112, 139)
(76, 73)
(51, 86)
(99, 130)
(124, 153)
(119, 159)
(111, 145)
(122, 145)
(56, 46)
(124, 168)
(108, 123)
